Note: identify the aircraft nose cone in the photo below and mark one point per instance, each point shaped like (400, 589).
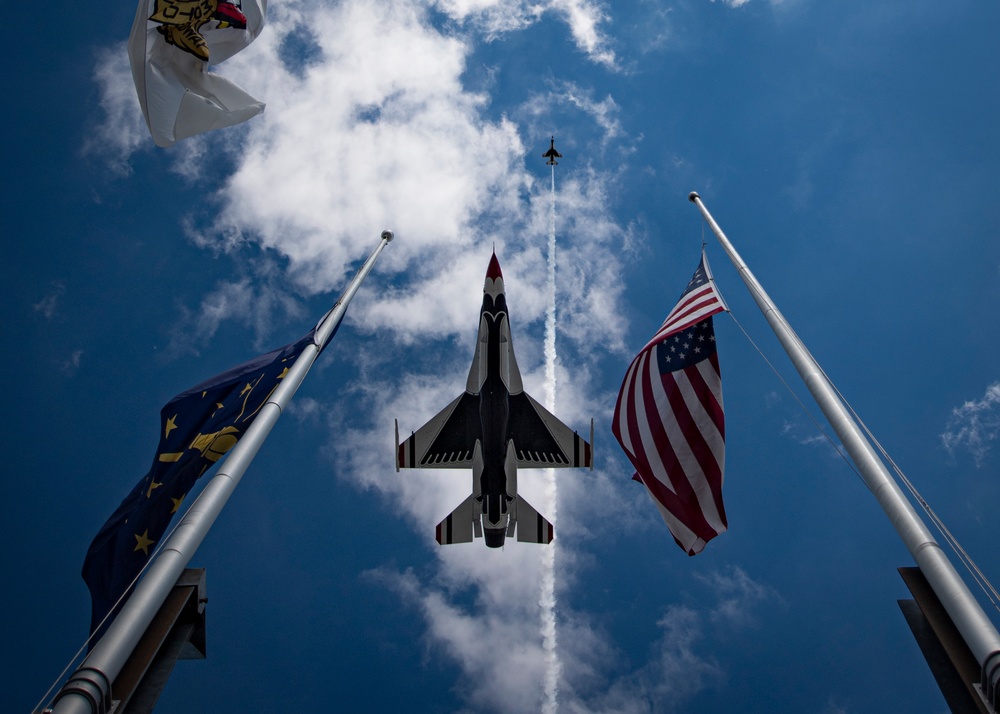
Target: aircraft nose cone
(493, 272)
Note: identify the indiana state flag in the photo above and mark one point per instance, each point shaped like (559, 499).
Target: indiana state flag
(197, 428)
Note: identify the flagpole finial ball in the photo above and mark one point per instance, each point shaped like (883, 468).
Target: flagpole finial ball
(387, 235)
(692, 196)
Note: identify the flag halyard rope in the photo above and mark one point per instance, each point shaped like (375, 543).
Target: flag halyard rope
(970, 565)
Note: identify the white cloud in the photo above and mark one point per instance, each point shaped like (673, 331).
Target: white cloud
(741, 3)
(255, 303)
(304, 409)
(49, 304)
(493, 17)
(833, 708)
(124, 130)
(974, 426)
(738, 595)
(496, 17)
(494, 640)
(71, 364)
(676, 670)
(813, 434)
(673, 674)
(604, 112)
(377, 134)
(496, 643)
(584, 19)
(342, 51)
(366, 140)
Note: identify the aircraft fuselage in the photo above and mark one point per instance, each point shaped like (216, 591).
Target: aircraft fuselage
(494, 413)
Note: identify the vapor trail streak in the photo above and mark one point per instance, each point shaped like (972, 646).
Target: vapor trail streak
(547, 599)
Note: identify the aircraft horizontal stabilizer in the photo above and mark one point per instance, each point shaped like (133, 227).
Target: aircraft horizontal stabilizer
(459, 525)
(532, 527)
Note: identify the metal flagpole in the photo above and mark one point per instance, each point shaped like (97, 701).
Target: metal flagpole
(88, 690)
(976, 629)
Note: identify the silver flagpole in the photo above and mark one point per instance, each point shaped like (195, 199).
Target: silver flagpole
(88, 690)
(976, 629)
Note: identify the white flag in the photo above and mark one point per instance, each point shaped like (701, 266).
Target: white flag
(172, 45)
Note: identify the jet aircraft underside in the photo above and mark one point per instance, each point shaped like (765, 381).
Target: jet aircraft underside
(494, 428)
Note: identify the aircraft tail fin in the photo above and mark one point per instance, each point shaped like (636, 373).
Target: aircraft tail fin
(532, 526)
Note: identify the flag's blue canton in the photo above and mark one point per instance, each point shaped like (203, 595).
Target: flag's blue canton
(686, 347)
(699, 278)
(197, 428)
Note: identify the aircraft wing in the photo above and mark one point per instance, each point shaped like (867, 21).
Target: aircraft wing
(541, 440)
(447, 441)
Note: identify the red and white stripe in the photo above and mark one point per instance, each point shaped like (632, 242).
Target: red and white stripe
(693, 307)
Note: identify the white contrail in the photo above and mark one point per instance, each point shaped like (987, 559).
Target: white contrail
(547, 599)
(550, 317)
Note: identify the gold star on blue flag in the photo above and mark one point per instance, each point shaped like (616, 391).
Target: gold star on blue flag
(197, 428)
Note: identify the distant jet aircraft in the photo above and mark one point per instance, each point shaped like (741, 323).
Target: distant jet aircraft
(552, 154)
(494, 428)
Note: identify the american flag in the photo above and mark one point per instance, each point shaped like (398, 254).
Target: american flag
(669, 417)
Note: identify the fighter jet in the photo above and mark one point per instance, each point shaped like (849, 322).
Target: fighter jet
(494, 428)
(552, 154)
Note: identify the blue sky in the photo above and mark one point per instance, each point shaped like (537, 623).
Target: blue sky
(849, 151)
